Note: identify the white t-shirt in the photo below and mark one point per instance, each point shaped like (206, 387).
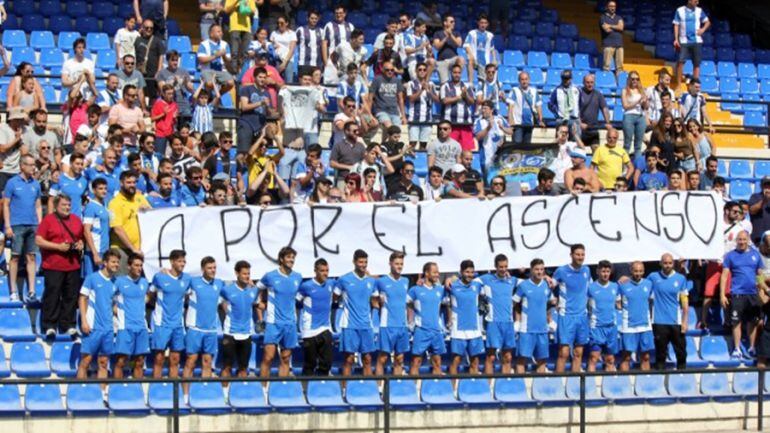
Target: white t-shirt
(299, 106)
(338, 135)
(90, 158)
(362, 165)
(562, 161)
(125, 40)
(282, 42)
(74, 69)
(347, 55)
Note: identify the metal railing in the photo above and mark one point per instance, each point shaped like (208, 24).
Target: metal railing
(386, 379)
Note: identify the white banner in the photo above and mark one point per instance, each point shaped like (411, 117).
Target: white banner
(617, 227)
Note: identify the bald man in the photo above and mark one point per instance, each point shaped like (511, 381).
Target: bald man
(669, 312)
(742, 267)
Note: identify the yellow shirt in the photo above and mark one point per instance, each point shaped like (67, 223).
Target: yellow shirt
(609, 164)
(256, 165)
(238, 22)
(125, 213)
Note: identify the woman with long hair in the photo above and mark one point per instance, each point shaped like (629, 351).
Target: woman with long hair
(353, 190)
(687, 156)
(24, 69)
(701, 140)
(662, 138)
(635, 105)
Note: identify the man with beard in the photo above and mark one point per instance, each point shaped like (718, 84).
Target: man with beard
(124, 209)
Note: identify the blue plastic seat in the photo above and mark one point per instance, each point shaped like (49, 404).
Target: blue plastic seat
(568, 30)
(404, 395)
(189, 62)
(60, 23)
(748, 98)
(536, 76)
(553, 78)
(76, 8)
(740, 169)
(98, 41)
(747, 70)
(592, 396)
(11, 23)
(10, 401)
(287, 397)
(207, 398)
(727, 69)
(106, 59)
(181, 44)
(617, 389)
(645, 36)
(363, 395)
(652, 388)
(66, 39)
(32, 22)
(111, 25)
(51, 58)
(22, 54)
(723, 40)
(50, 8)
(127, 399)
(160, 397)
(512, 392)
(583, 62)
(755, 119)
(41, 39)
(516, 59)
(545, 29)
(708, 68)
(537, 59)
(127, 9)
(247, 397)
(746, 384)
(476, 393)
(561, 61)
(587, 46)
(717, 387)
(87, 24)
(728, 85)
(14, 39)
(102, 9)
(761, 169)
(763, 71)
(709, 84)
(65, 356)
(43, 400)
(725, 54)
(542, 43)
(566, 45)
(28, 360)
(744, 55)
(4, 370)
(749, 86)
(326, 396)
(85, 399)
(605, 80)
(439, 393)
(24, 7)
(685, 388)
(520, 43)
(713, 348)
(14, 325)
(549, 391)
(739, 190)
(508, 75)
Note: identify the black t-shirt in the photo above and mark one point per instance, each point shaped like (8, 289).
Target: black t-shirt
(472, 177)
(157, 48)
(404, 193)
(393, 148)
(449, 49)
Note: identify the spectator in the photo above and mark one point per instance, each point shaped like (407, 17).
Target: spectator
(418, 49)
(612, 26)
(261, 45)
(203, 110)
(349, 52)
(108, 171)
(564, 103)
(434, 188)
(392, 30)
(405, 190)
(165, 196)
(28, 98)
(650, 179)
(212, 12)
(164, 114)
(96, 227)
(690, 23)
(355, 191)
(709, 174)
(179, 79)
(444, 151)
(701, 141)
(387, 53)
(308, 174)
(676, 181)
(386, 97)
(591, 101)
(224, 160)
(693, 180)
(34, 137)
(480, 48)
(490, 130)
(446, 42)
(655, 94)
(395, 151)
(457, 100)
(108, 97)
(458, 179)
(355, 88)
(345, 154)
(75, 67)
(284, 40)
(429, 14)
(4, 57)
(310, 43)
(155, 10)
(581, 171)
(60, 239)
(335, 33)
(634, 119)
(240, 30)
(421, 94)
(213, 56)
(611, 161)
(193, 192)
(126, 114)
(300, 107)
(524, 110)
(124, 218)
(23, 70)
(23, 212)
(662, 138)
(545, 186)
(12, 145)
(490, 88)
(685, 151)
(474, 181)
(563, 160)
(497, 188)
(693, 104)
(149, 57)
(254, 103)
(667, 106)
(759, 208)
(124, 39)
(375, 160)
(71, 183)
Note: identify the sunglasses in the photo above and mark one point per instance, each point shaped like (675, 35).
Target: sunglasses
(350, 106)
(197, 178)
(497, 184)
(389, 70)
(128, 63)
(335, 197)
(445, 128)
(227, 141)
(421, 69)
(409, 171)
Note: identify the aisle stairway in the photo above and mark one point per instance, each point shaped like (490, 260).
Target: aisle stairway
(188, 16)
(582, 13)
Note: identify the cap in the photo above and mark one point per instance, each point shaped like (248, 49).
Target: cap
(566, 74)
(766, 180)
(17, 113)
(84, 131)
(578, 153)
(325, 180)
(221, 176)
(262, 55)
(458, 168)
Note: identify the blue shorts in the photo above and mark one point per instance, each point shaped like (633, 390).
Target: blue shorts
(357, 341)
(23, 239)
(394, 340)
(200, 342)
(604, 338)
(133, 342)
(637, 341)
(572, 330)
(533, 345)
(97, 343)
(168, 338)
(500, 335)
(428, 340)
(420, 133)
(472, 347)
(384, 116)
(283, 336)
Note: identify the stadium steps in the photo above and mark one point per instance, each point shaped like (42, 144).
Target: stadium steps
(187, 14)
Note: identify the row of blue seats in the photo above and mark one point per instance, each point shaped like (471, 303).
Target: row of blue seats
(72, 8)
(84, 23)
(208, 398)
(651, 36)
(44, 39)
(667, 51)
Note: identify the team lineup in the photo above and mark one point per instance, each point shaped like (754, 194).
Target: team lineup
(497, 314)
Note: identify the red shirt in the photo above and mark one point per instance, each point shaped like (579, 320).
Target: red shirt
(52, 230)
(164, 127)
(78, 116)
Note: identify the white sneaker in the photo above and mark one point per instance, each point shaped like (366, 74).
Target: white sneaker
(14, 297)
(72, 332)
(736, 354)
(50, 333)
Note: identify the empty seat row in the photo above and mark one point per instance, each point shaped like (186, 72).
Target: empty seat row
(43, 39)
